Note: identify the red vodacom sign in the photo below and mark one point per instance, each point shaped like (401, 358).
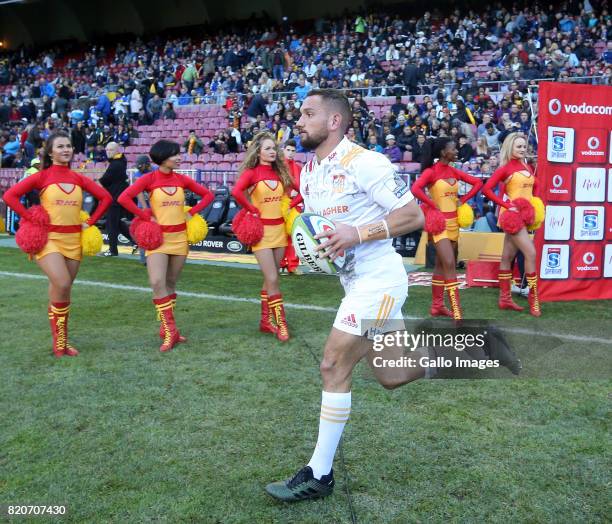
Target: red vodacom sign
(574, 245)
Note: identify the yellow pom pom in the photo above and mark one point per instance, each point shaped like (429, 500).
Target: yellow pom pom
(197, 229)
(540, 211)
(285, 201)
(83, 216)
(2, 225)
(186, 209)
(290, 219)
(534, 226)
(91, 241)
(465, 215)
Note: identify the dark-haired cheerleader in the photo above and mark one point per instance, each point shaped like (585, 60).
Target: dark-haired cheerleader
(61, 197)
(442, 182)
(167, 199)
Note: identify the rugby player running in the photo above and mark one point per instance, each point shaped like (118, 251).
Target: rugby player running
(352, 185)
(349, 184)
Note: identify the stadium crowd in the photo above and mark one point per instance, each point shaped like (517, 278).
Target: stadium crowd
(261, 76)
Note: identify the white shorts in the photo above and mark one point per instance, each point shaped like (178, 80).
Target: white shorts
(371, 308)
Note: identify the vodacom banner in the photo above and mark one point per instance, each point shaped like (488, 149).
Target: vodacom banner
(574, 169)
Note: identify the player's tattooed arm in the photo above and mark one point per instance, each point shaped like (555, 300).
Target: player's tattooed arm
(337, 240)
(400, 221)
(374, 231)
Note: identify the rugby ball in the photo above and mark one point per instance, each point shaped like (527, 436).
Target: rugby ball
(303, 232)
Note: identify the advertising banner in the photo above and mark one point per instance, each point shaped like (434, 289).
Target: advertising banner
(574, 245)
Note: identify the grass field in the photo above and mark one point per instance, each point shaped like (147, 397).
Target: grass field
(126, 434)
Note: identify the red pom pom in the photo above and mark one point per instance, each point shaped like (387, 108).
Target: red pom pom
(148, 235)
(511, 222)
(136, 221)
(31, 238)
(435, 223)
(33, 231)
(38, 215)
(525, 210)
(134, 226)
(248, 228)
(237, 218)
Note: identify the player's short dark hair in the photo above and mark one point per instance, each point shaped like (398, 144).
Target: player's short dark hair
(290, 142)
(338, 99)
(162, 150)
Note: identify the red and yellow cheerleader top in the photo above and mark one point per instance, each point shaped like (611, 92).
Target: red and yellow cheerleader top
(61, 194)
(518, 181)
(166, 196)
(266, 190)
(444, 195)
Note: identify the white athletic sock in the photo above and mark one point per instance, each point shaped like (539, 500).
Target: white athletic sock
(335, 411)
(430, 372)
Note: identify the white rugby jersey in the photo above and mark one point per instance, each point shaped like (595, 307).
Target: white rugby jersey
(355, 186)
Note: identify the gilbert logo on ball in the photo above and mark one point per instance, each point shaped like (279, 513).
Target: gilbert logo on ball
(303, 233)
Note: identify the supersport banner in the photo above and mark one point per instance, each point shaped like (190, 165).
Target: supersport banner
(574, 246)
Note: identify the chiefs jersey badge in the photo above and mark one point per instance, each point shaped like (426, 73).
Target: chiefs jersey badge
(338, 183)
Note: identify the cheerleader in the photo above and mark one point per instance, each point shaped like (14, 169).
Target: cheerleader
(442, 182)
(166, 190)
(517, 180)
(61, 196)
(266, 179)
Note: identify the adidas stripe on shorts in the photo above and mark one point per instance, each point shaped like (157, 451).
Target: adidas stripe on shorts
(371, 308)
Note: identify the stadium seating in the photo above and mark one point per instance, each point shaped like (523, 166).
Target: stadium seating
(208, 120)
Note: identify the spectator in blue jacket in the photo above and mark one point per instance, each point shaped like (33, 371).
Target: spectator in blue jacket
(607, 54)
(103, 106)
(48, 89)
(301, 89)
(11, 148)
(184, 98)
(373, 144)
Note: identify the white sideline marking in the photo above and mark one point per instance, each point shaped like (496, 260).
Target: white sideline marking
(307, 307)
(224, 298)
